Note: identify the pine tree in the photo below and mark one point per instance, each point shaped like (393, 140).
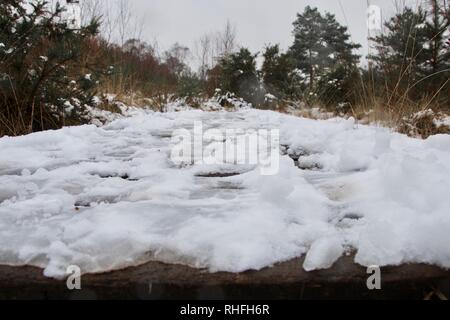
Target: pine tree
(400, 49)
(43, 81)
(308, 49)
(276, 72)
(437, 54)
(412, 55)
(338, 42)
(322, 49)
(320, 42)
(238, 74)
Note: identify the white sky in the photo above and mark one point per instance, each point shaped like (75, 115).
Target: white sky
(258, 22)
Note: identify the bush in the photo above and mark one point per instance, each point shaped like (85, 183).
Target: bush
(424, 124)
(237, 73)
(44, 82)
(337, 87)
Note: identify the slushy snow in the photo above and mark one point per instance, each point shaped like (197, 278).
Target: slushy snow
(109, 197)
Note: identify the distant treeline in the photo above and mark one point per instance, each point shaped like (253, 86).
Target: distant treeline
(50, 73)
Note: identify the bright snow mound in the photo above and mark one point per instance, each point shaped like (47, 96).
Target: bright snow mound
(109, 197)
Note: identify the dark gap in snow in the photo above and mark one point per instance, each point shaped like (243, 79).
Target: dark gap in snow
(86, 202)
(297, 154)
(82, 204)
(352, 216)
(123, 155)
(218, 174)
(113, 175)
(362, 169)
(163, 134)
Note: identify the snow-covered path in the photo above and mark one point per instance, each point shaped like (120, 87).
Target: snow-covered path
(111, 197)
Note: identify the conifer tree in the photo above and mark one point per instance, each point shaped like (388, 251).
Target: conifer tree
(238, 74)
(400, 49)
(437, 53)
(322, 50)
(412, 54)
(276, 72)
(43, 81)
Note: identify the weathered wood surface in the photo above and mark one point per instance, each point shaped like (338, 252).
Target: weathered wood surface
(285, 280)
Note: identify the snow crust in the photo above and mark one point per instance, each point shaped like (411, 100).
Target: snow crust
(109, 197)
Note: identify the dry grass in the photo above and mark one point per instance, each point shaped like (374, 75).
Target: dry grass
(416, 119)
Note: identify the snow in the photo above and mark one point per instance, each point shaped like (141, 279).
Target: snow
(444, 121)
(323, 253)
(269, 97)
(68, 107)
(109, 197)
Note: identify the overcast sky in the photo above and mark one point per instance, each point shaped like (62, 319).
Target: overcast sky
(258, 22)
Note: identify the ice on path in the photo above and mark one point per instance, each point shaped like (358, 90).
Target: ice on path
(107, 198)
